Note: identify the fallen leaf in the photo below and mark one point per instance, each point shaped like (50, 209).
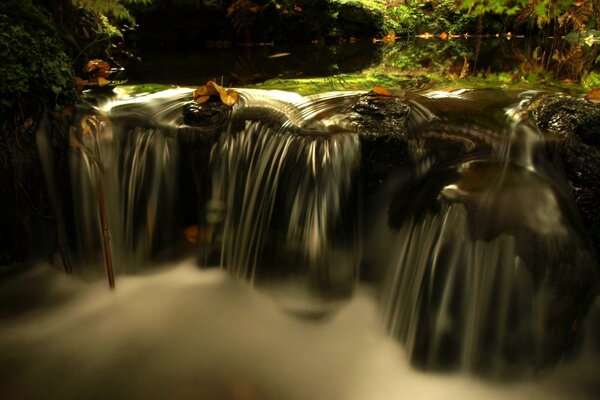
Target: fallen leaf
(191, 234)
(194, 235)
(202, 94)
(382, 91)
(229, 97)
(98, 68)
(593, 96)
(79, 84)
(201, 99)
(204, 91)
(390, 38)
(27, 123)
(102, 81)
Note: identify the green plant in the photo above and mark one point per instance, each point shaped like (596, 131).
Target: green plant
(35, 70)
(564, 14)
(114, 8)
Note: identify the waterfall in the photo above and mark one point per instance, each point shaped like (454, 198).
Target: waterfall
(450, 204)
(488, 268)
(285, 203)
(119, 207)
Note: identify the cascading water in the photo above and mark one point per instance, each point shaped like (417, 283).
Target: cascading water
(470, 249)
(489, 270)
(122, 166)
(285, 205)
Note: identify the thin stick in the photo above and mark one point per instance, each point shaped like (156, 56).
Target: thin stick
(103, 213)
(105, 234)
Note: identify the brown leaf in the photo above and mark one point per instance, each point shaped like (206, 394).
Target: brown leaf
(98, 68)
(390, 38)
(228, 97)
(191, 234)
(79, 84)
(382, 91)
(593, 96)
(202, 94)
(203, 91)
(202, 99)
(102, 81)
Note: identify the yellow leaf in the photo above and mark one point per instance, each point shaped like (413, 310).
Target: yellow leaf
(202, 94)
(201, 99)
(229, 97)
(206, 90)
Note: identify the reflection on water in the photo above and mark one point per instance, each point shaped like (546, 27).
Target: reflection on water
(240, 66)
(499, 60)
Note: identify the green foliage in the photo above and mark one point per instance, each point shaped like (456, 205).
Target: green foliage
(566, 14)
(591, 80)
(114, 8)
(409, 17)
(508, 7)
(35, 70)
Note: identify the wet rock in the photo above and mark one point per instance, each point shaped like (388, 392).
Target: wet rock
(382, 123)
(503, 211)
(206, 115)
(567, 117)
(572, 127)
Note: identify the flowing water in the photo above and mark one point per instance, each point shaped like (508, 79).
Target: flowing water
(418, 246)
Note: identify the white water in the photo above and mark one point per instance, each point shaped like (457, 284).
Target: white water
(184, 333)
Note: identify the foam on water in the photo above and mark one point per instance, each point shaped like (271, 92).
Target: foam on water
(186, 333)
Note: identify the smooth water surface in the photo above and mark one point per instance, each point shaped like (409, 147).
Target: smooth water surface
(501, 60)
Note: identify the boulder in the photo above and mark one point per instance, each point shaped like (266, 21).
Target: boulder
(572, 128)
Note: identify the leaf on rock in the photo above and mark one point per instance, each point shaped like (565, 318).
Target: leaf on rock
(229, 97)
(201, 99)
(98, 68)
(102, 81)
(203, 93)
(382, 91)
(593, 96)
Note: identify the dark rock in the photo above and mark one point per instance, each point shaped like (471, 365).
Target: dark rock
(572, 127)
(567, 116)
(430, 159)
(205, 115)
(382, 123)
